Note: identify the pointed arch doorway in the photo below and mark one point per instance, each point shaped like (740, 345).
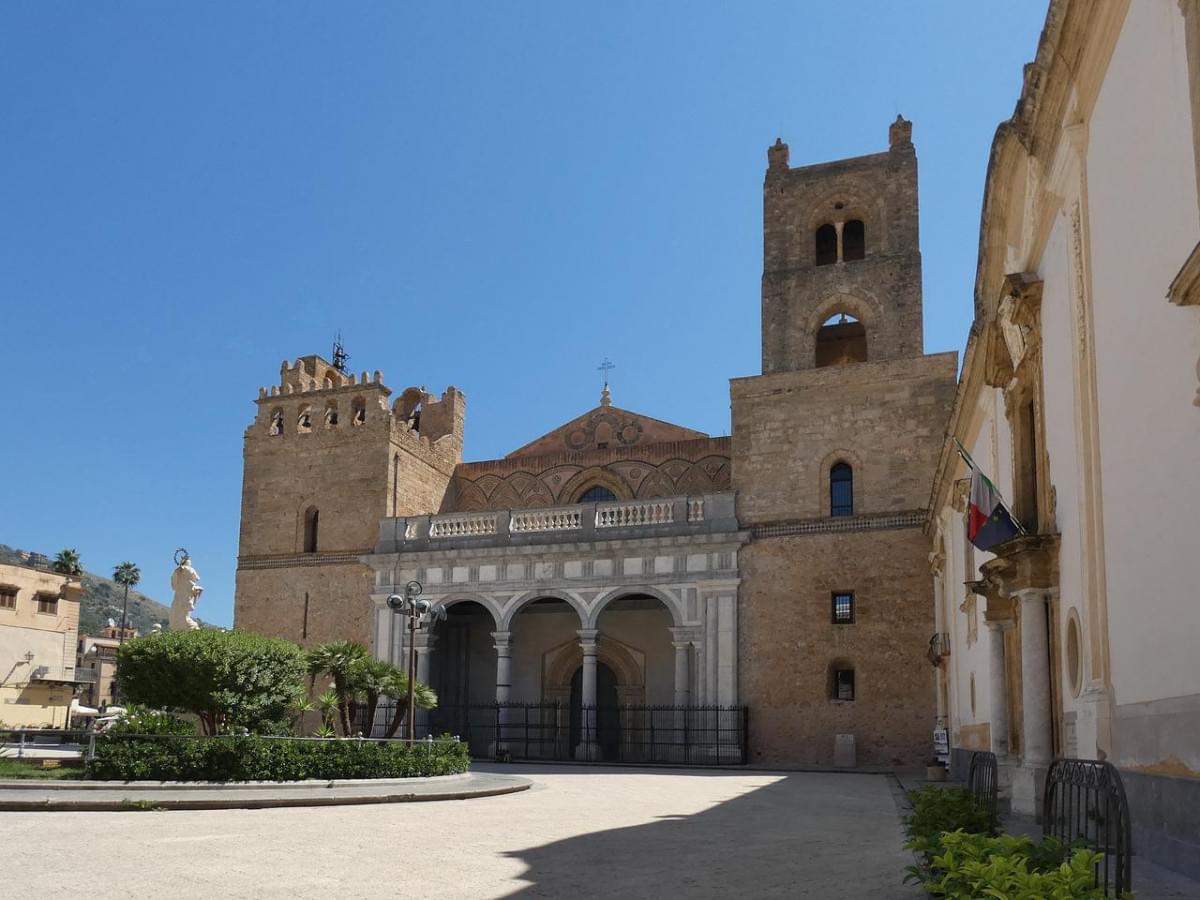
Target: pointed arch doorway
(606, 718)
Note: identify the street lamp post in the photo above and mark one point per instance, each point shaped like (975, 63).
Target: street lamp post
(414, 607)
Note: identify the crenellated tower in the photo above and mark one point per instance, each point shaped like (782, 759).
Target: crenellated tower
(328, 455)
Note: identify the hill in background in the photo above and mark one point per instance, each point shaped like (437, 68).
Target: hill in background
(102, 599)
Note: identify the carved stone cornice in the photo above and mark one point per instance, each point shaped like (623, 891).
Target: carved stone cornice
(1014, 344)
(1027, 562)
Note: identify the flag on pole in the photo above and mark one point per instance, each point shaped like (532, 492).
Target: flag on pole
(988, 520)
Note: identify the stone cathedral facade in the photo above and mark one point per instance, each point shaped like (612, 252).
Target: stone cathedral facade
(621, 560)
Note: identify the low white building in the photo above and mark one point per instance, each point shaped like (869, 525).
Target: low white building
(1078, 398)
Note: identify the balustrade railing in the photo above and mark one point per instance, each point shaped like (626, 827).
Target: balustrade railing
(646, 512)
(695, 509)
(463, 525)
(563, 518)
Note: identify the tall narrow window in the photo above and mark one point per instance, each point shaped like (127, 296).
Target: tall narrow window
(843, 684)
(826, 245)
(854, 240)
(841, 490)
(277, 422)
(311, 522)
(1027, 471)
(843, 608)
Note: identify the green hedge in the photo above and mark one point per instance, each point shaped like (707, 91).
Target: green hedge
(121, 757)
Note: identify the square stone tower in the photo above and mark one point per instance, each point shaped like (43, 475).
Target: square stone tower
(325, 459)
(834, 449)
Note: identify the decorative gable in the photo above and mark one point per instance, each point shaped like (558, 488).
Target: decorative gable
(606, 427)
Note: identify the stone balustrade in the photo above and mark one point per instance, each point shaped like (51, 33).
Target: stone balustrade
(582, 521)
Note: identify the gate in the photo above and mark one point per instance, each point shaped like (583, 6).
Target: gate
(1085, 802)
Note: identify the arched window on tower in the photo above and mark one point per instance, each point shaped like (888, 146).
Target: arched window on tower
(276, 422)
(597, 493)
(854, 240)
(827, 242)
(311, 522)
(841, 340)
(841, 490)
(358, 411)
(304, 420)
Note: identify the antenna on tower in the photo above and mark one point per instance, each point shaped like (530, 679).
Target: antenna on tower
(340, 356)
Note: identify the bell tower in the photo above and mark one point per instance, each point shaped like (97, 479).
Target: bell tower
(841, 246)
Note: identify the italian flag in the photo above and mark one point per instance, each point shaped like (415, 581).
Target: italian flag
(988, 520)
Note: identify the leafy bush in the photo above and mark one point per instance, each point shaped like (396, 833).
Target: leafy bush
(226, 678)
(938, 810)
(1008, 868)
(140, 720)
(122, 757)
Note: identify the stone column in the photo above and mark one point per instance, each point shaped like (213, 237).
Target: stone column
(425, 644)
(503, 644)
(682, 644)
(588, 749)
(998, 687)
(1035, 680)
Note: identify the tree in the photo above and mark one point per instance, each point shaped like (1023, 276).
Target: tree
(67, 562)
(126, 574)
(225, 678)
(423, 696)
(337, 659)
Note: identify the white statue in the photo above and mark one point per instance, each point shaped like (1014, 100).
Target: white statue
(185, 582)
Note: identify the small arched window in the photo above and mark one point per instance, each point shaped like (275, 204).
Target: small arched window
(841, 490)
(331, 415)
(841, 340)
(276, 421)
(304, 420)
(597, 494)
(827, 242)
(854, 240)
(311, 522)
(358, 409)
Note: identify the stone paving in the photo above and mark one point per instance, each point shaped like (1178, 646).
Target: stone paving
(578, 832)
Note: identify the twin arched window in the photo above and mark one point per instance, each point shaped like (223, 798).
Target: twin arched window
(841, 490)
(848, 245)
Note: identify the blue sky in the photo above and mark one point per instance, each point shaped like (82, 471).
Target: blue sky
(491, 195)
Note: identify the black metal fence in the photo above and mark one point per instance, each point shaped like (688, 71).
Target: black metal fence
(1085, 802)
(983, 782)
(675, 735)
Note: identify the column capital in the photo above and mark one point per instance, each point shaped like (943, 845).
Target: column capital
(587, 640)
(502, 641)
(682, 634)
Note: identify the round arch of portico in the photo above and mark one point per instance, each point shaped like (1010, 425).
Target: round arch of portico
(674, 607)
(510, 610)
(482, 599)
(627, 664)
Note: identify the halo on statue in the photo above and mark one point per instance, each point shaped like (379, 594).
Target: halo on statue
(180, 555)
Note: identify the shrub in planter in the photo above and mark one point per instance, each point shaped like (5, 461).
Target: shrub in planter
(1008, 868)
(126, 757)
(938, 810)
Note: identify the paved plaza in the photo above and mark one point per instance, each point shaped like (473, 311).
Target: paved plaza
(578, 832)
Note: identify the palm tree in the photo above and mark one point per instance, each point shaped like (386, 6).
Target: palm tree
(397, 689)
(338, 659)
(127, 574)
(372, 678)
(68, 563)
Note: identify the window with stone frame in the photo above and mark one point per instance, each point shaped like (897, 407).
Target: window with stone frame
(47, 604)
(8, 596)
(843, 607)
(826, 245)
(854, 241)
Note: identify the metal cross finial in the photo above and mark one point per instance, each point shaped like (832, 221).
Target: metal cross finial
(606, 367)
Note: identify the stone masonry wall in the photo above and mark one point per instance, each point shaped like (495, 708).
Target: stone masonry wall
(787, 642)
(885, 419)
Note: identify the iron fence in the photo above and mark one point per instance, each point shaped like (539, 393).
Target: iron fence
(1085, 803)
(983, 782)
(673, 735)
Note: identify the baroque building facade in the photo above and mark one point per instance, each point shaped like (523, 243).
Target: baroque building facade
(1078, 397)
(621, 561)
